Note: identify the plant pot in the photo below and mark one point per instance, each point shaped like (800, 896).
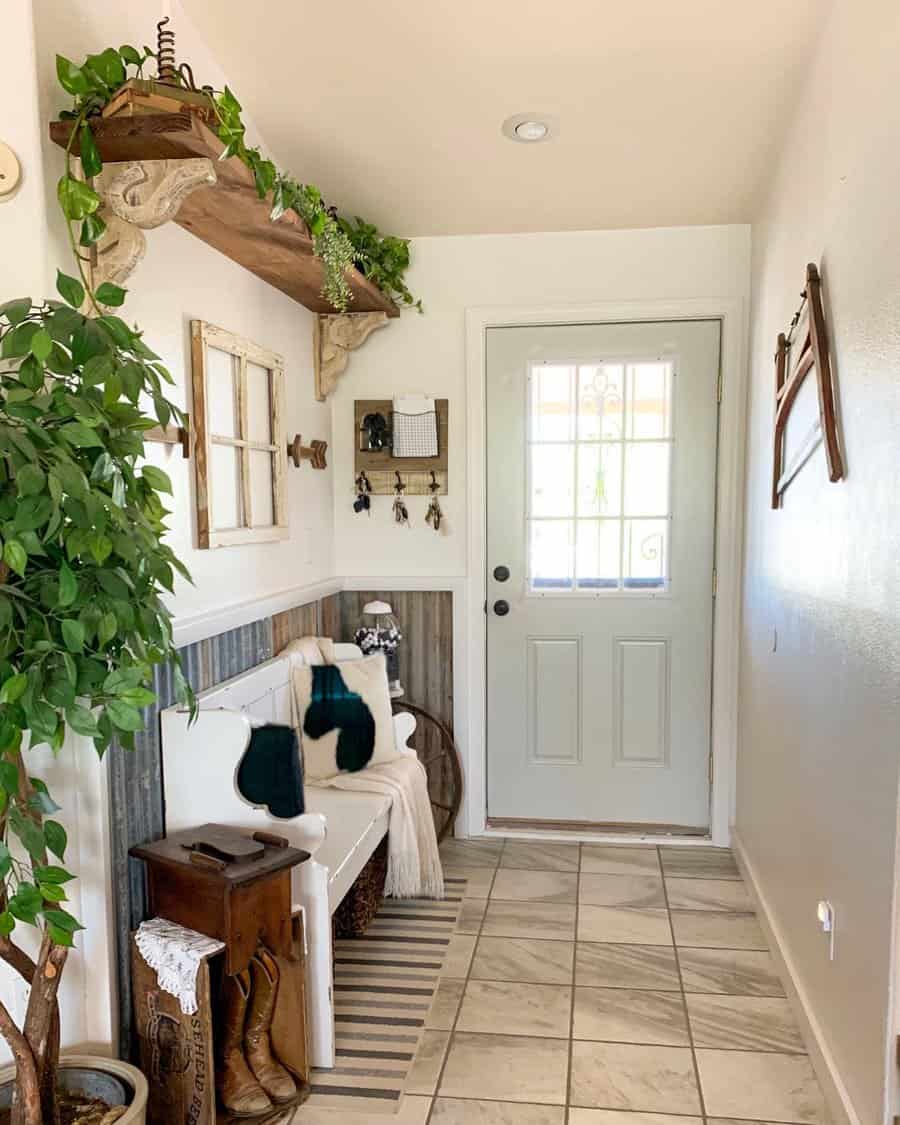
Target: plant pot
(117, 1082)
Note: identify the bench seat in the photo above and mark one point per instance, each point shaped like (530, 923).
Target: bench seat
(357, 823)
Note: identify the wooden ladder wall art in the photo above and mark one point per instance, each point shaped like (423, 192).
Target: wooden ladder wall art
(805, 348)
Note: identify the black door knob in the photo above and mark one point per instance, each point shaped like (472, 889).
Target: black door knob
(501, 608)
(501, 573)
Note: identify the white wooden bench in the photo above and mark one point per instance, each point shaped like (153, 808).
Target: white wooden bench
(339, 829)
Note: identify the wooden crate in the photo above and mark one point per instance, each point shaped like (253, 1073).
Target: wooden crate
(177, 1051)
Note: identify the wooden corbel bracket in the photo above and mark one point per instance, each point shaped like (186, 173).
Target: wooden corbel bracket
(314, 453)
(336, 336)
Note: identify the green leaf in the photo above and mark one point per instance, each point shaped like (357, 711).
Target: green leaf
(109, 294)
(92, 230)
(71, 77)
(30, 480)
(76, 198)
(73, 635)
(130, 55)
(68, 585)
(56, 839)
(157, 479)
(52, 874)
(91, 163)
(63, 919)
(79, 435)
(81, 721)
(31, 374)
(16, 310)
(9, 777)
(7, 923)
(108, 67)
(41, 344)
(106, 629)
(29, 832)
(71, 290)
(124, 716)
(15, 557)
(60, 937)
(50, 892)
(13, 688)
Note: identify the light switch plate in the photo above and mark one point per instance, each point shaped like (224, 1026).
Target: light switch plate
(10, 170)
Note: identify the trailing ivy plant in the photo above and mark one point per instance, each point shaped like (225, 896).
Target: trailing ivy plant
(83, 569)
(383, 258)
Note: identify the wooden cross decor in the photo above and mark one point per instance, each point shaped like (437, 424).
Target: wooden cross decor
(804, 348)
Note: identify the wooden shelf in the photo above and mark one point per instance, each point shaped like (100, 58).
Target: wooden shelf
(229, 215)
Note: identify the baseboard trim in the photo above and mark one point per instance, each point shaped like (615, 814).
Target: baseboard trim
(836, 1096)
(529, 824)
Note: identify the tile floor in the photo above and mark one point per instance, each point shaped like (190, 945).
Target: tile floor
(607, 985)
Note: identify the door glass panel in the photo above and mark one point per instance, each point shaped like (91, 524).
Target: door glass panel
(553, 480)
(551, 554)
(647, 479)
(552, 402)
(600, 479)
(646, 554)
(650, 405)
(601, 399)
(597, 558)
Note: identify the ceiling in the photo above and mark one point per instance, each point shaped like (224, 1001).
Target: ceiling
(669, 112)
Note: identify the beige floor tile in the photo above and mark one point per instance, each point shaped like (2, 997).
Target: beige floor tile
(523, 959)
(760, 1087)
(708, 894)
(717, 930)
(639, 891)
(471, 853)
(455, 1111)
(624, 1076)
(744, 1023)
(698, 863)
(514, 885)
(445, 1004)
(478, 879)
(617, 924)
(506, 1068)
(741, 972)
(511, 1008)
(623, 1117)
(458, 957)
(626, 966)
(630, 1015)
(529, 919)
(412, 1110)
(538, 856)
(471, 913)
(426, 1068)
(733, 1121)
(614, 859)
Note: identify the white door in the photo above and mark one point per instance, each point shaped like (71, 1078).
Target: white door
(601, 483)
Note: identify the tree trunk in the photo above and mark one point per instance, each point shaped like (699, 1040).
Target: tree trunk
(39, 1023)
(27, 1098)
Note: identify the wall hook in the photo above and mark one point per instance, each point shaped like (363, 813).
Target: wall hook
(315, 453)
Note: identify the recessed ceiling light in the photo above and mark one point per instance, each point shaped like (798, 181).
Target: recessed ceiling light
(529, 128)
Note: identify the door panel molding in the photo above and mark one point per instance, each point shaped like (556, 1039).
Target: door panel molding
(733, 316)
(641, 735)
(554, 716)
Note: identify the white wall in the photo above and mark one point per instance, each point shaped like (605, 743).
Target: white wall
(820, 716)
(428, 353)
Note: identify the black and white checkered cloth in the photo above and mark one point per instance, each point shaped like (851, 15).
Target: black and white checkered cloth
(415, 435)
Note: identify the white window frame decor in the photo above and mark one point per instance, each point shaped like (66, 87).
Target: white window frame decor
(205, 336)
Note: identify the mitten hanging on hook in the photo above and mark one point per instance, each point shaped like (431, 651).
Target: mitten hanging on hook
(363, 502)
(434, 515)
(401, 512)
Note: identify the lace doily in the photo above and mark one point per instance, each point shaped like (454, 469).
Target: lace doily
(175, 953)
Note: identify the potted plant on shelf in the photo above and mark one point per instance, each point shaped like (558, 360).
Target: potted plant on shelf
(83, 567)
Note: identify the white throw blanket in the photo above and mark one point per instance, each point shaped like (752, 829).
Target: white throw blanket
(175, 952)
(414, 862)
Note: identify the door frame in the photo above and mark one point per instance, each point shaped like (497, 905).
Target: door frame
(732, 315)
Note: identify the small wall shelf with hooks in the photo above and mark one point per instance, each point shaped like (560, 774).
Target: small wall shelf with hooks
(380, 465)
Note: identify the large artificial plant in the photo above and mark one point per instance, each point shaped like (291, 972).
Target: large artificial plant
(84, 568)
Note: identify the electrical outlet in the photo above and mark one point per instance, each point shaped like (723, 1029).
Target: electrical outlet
(825, 916)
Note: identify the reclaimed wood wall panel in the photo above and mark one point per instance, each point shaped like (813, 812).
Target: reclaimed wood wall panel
(301, 621)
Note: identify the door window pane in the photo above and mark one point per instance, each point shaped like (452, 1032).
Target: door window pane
(552, 480)
(552, 402)
(601, 399)
(600, 479)
(650, 400)
(647, 479)
(551, 554)
(597, 558)
(646, 554)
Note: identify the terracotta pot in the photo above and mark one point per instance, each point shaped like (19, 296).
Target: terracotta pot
(102, 1074)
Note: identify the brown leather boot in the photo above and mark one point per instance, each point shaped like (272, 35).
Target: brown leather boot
(238, 1090)
(271, 1075)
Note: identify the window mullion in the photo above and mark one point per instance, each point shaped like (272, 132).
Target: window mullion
(243, 411)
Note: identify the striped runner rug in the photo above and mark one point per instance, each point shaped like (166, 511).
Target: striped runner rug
(384, 984)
